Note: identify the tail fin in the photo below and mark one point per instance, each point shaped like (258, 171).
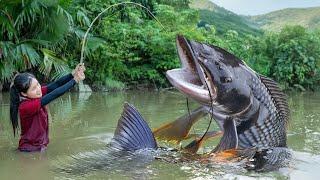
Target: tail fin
(132, 133)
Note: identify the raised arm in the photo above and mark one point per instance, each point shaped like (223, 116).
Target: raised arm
(46, 99)
(52, 86)
(78, 76)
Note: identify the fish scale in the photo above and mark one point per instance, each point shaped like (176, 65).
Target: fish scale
(269, 132)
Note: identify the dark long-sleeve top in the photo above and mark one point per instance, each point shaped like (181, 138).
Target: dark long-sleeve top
(57, 88)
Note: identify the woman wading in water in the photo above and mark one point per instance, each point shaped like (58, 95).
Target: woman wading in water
(28, 100)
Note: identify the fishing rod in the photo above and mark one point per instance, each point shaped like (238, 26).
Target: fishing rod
(84, 40)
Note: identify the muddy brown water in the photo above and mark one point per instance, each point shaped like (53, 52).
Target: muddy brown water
(81, 126)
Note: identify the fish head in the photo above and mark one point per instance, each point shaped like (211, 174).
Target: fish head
(211, 76)
(187, 79)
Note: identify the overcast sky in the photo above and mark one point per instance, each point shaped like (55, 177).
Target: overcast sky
(255, 7)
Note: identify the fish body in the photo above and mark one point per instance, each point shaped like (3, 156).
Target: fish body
(250, 109)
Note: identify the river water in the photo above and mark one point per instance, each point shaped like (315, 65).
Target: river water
(81, 126)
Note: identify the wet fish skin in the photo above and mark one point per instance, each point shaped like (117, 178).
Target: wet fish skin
(254, 104)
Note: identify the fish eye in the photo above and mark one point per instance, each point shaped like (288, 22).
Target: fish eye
(228, 79)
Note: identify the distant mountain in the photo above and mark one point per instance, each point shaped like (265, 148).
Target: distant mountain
(204, 5)
(274, 21)
(222, 19)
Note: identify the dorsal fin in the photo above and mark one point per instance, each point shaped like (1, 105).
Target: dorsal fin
(132, 132)
(278, 97)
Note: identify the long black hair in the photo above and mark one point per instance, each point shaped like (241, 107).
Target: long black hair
(20, 83)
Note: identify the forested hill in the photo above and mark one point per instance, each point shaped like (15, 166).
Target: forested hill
(223, 19)
(276, 20)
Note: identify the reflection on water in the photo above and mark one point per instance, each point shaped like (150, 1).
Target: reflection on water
(81, 126)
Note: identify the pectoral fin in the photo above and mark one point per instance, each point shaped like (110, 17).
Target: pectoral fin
(194, 146)
(229, 139)
(179, 129)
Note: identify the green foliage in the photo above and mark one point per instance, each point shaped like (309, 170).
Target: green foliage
(27, 27)
(295, 57)
(129, 48)
(250, 49)
(291, 56)
(224, 21)
(175, 3)
(113, 85)
(138, 55)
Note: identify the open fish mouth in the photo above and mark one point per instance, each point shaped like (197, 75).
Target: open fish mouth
(191, 79)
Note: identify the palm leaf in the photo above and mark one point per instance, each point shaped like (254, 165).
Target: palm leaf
(28, 54)
(36, 42)
(44, 19)
(6, 25)
(7, 58)
(6, 71)
(83, 19)
(7, 49)
(62, 11)
(30, 11)
(93, 42)
(55, 27)
(50, 62)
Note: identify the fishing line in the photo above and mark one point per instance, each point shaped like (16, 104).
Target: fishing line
(211, 116)
(84, 40)
(188, 108)
(187, 99)
(211, 109)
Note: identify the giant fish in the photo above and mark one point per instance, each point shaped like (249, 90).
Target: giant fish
(250, 110)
